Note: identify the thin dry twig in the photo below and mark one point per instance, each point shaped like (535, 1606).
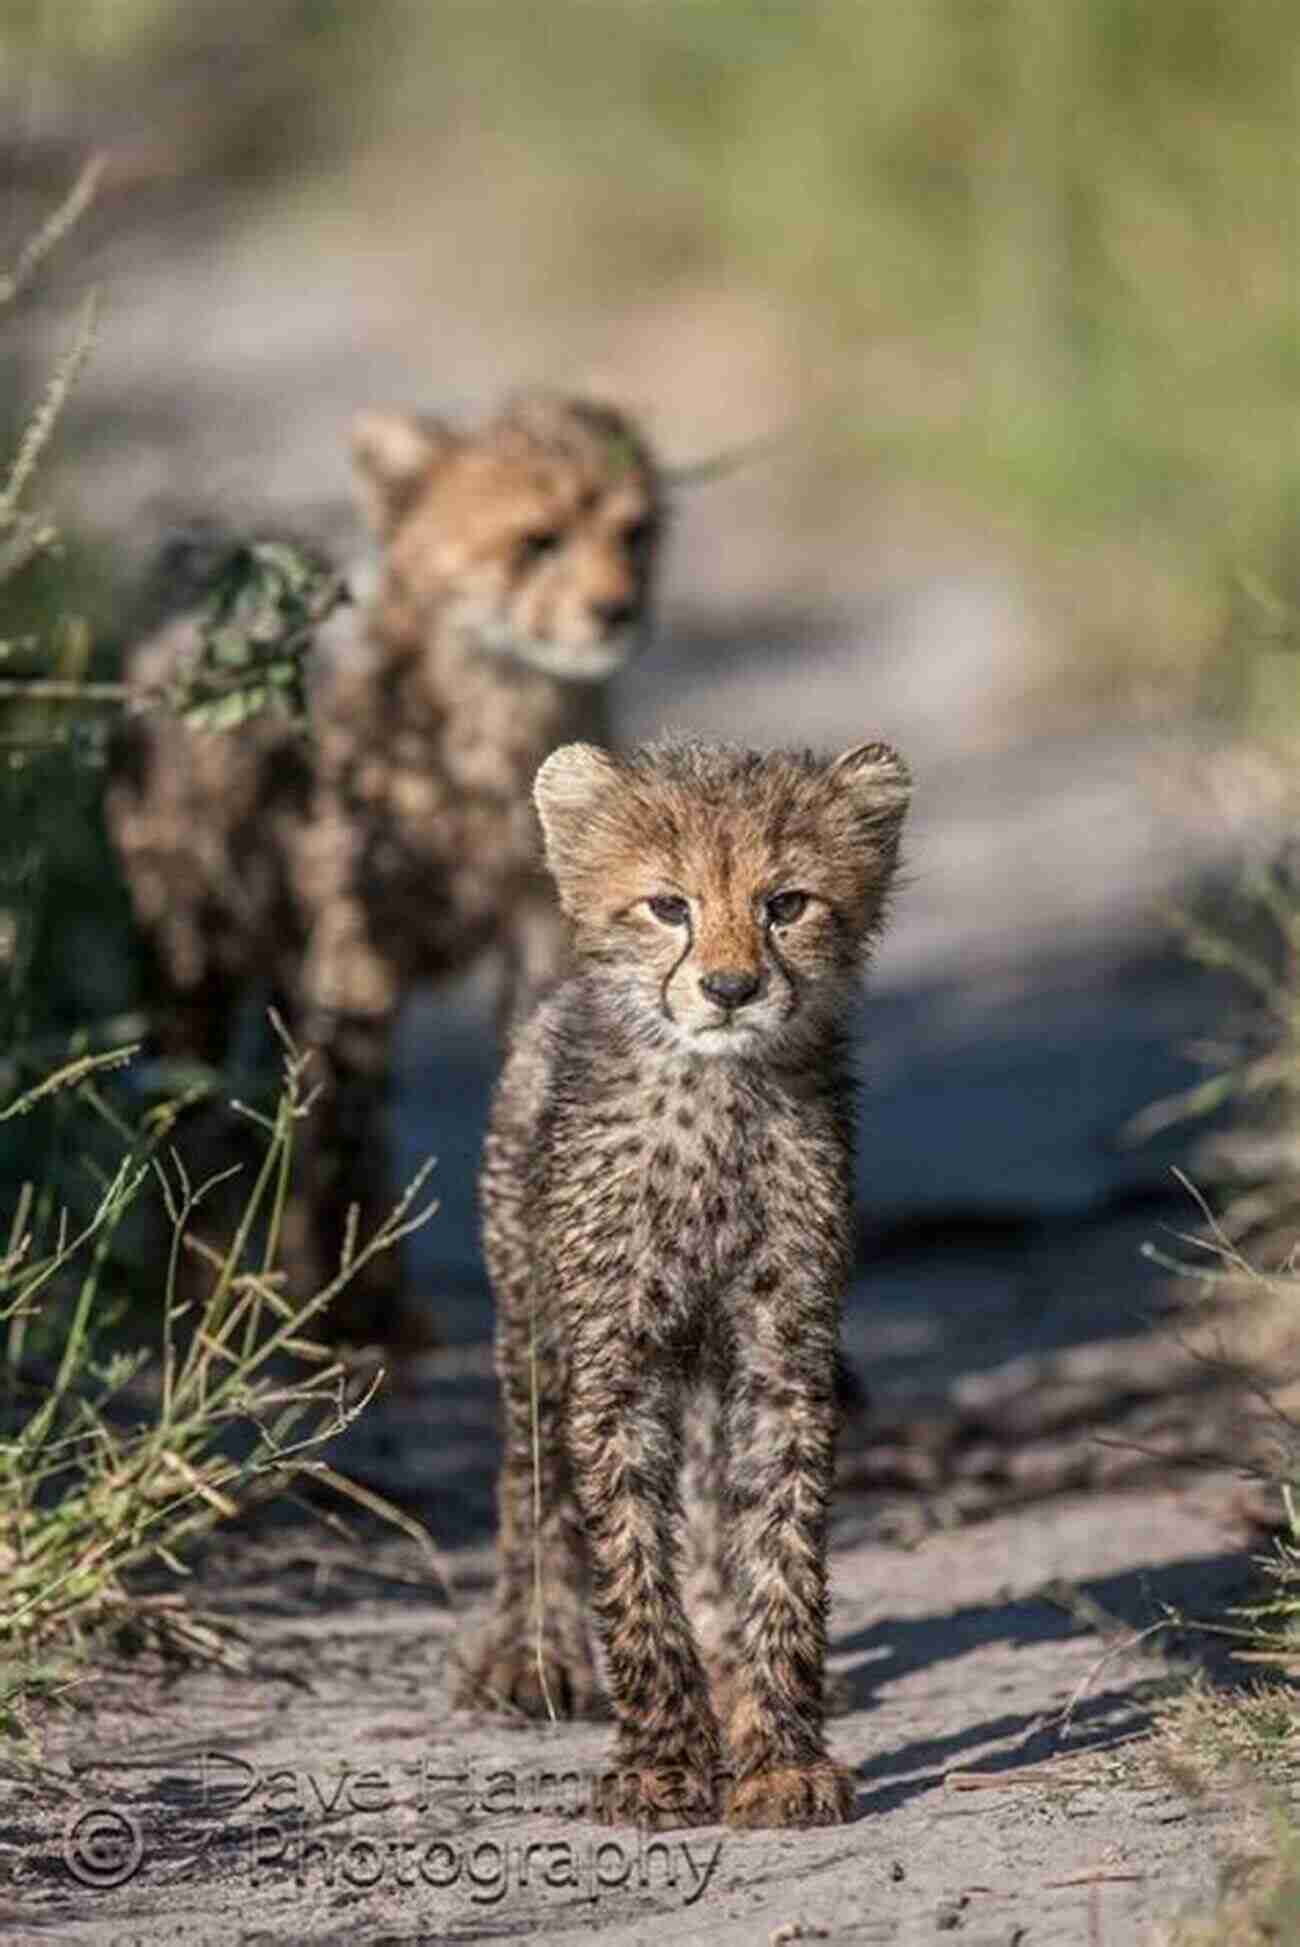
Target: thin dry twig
(42, 422)
(1122, 1648)
(983, 1781)
(55, 227)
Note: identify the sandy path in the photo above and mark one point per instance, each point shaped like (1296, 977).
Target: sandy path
(338, 1790)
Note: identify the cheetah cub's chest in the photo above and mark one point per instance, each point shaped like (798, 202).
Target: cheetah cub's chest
(701, 1192)
(698, 1166)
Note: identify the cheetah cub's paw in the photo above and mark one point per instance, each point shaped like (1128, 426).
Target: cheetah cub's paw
(824, 1793)
(657, 1798)
(500, 1671)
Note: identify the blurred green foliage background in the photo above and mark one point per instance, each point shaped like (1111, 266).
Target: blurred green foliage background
(1075, 220)
(1052, 245)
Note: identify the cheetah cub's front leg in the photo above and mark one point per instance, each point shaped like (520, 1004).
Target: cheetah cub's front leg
(781, 1422)
(625, 1443)
(764, 1644)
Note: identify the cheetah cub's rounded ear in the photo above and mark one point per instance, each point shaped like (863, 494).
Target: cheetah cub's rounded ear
(566, 791)
(879, 783)
(568, 784)
(877, 768)
(394, 454)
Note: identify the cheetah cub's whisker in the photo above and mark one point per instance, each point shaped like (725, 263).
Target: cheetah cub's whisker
(667, 1211)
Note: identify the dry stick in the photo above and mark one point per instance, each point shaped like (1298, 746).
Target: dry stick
(41, 424)
(1028, 1774)
(983, 1781)
(380, 1504)
(1094, 1670)
(55, 227)
(1099, 1878)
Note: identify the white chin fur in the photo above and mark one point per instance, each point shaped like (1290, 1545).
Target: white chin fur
(726, 1047)
(723, 1041)
(572, 662)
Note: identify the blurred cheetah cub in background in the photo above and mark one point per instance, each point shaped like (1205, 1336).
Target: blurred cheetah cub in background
(667, 1209)
(396, 843)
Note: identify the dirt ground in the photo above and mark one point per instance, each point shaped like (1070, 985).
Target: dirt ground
(996, 1695)
(1030, 1527)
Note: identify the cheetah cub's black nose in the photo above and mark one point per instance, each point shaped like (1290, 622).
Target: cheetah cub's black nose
(614, 615)
(729, 989)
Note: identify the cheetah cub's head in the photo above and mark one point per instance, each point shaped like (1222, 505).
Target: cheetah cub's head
(534, 538)
(726, 899)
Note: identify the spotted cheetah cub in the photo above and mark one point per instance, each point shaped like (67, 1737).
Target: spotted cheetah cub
(667, 1211)
(395, 842)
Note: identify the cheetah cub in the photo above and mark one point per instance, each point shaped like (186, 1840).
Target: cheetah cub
(667, 1215)
(396, 842)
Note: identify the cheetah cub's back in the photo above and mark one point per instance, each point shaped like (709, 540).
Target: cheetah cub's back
(667, 1210)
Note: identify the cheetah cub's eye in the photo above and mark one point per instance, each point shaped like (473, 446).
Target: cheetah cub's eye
(639, 535)
(535, 546)
(668, 908)
(784, 908)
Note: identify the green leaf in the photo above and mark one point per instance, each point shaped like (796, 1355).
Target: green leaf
(266, 601)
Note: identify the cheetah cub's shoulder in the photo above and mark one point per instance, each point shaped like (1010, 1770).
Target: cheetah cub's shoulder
(667, 1209)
